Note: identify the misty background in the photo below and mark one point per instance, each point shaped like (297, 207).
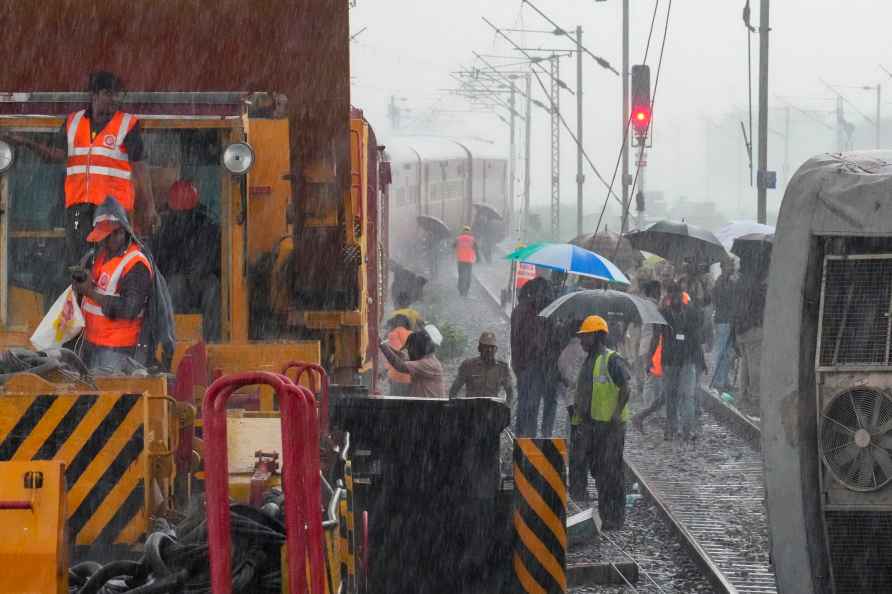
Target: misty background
(697, 167)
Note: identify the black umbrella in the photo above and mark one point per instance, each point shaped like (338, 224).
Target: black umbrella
(613, 306)
(488, 211)
(752, 244)
(677, 241)
(434, 226)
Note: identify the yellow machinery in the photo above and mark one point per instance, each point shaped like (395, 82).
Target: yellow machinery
(34, 555)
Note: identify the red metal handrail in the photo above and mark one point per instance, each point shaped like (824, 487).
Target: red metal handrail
(317, 372)
(300, 479)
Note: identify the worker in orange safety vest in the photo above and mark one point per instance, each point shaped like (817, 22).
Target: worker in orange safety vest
(466, 255)
(105, 156)
(115, 293)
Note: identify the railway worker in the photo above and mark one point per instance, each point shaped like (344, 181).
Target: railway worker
(399, 329)
(598, 423)
(484, 376)
(115, 293)
(424, 369)
(105, 156)
(682, 357)
(466, 253)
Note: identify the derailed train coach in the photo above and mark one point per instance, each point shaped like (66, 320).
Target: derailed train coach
(827, 378)
(443, 178)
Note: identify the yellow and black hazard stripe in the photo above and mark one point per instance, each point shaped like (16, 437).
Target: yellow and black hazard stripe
(100, 438)
(540, 515)
(351, 527)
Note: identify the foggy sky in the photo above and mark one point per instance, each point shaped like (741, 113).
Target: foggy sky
(410, 48)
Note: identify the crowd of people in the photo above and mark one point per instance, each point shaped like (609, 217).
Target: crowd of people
(711, 339)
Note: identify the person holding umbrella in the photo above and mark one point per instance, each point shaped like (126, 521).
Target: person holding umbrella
(598, 419)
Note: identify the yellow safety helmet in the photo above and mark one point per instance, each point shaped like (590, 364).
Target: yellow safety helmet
(593, 324)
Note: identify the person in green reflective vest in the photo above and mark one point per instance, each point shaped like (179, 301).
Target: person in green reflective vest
(598, 419)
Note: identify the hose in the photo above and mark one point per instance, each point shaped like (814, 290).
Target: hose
(176, 558)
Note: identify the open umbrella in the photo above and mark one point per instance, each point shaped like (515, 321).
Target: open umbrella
(605, 242)
(611, 305)
(735, 229)
(752, 244)
(571, 259)
(434, 226)
(487, 211)
(677, 242)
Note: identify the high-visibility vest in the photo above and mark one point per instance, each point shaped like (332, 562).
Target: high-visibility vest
(107, 274)
(605, 394)
(98, 167)
(464, 248)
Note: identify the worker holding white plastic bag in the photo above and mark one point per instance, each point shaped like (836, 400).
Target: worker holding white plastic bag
(63, 322)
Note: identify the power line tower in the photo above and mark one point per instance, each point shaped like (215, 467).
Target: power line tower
(555, 147)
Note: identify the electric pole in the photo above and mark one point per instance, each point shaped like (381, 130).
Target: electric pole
(762, 175)
(625, 111)
(580, 178)
(526, 160)
(555, 148)
(512, 156)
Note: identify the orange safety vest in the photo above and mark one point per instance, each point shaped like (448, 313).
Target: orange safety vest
(99, 329)
(464, 248)
(397, 340)
(656, 362)
(98, 167)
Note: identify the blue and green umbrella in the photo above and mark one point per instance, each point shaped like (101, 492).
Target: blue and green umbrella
(571, 259)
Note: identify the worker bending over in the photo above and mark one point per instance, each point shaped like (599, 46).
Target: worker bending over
(424, 369)
(105, 156)
(484, 376)
(598, 424)
(115, 293)
(466, 256)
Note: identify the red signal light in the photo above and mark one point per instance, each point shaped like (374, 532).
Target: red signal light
(640, 118)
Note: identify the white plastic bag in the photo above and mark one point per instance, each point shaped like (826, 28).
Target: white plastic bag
(63, 321)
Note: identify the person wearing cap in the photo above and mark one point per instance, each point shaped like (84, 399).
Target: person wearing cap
(484, 376)
(424, 369)
(115, 292)
(466, 254)
(105, 156)
(598, 423)
(682, 356)
(187, 250)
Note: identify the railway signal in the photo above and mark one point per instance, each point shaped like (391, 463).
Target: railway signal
(641, 107)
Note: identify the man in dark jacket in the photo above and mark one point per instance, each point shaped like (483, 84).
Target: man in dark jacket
(682, 358)
(531, 359)
(187, 250)
(723, 299)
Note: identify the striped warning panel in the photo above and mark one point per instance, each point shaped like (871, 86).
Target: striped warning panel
(540, 515)
(100, 438)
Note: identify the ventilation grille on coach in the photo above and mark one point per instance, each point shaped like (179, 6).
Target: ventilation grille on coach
(860, 551)
(856, 326)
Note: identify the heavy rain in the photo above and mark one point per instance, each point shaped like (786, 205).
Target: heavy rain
(514, 297)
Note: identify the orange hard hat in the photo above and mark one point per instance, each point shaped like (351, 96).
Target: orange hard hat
(593, 324)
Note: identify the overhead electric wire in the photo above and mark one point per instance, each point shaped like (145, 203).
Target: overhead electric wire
(846, 100)
(578, 141)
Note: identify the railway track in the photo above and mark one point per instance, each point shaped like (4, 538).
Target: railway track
(711, 493)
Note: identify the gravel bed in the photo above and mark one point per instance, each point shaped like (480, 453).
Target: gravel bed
(646, 536)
